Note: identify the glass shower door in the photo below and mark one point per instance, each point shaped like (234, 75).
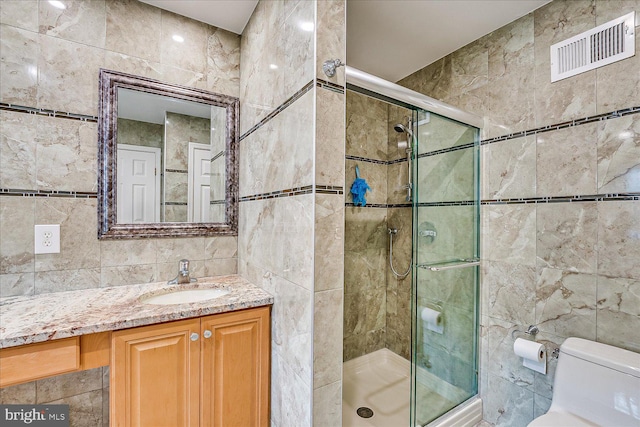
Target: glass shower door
(446, 250)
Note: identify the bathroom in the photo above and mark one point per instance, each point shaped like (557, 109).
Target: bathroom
(567, 266)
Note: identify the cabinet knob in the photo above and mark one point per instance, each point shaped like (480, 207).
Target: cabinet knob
(207, 333)
(194, 336)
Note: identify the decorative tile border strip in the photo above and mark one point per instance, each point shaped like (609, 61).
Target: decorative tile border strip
(334, 87)
(447, 150)
(368, 205)
(564, 199)
(329, 189)
(325, 189)
(307, 189)
(217, 156)
(519, 201)
(380, 205)
(48, 193)
(404, 159)
(376, 161)
(452, 203)
(364, 159)
(45, 112)
(176, 170)
(572, 123)
(306, 88)
(396, 161)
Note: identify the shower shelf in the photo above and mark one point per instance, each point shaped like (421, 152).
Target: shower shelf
(451, 264)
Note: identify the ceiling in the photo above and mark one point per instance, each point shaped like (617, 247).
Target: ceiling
(151, 108)
(393, 38)
(387, 38)
(230, 15)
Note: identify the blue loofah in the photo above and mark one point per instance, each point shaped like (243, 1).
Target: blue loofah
(358, 189)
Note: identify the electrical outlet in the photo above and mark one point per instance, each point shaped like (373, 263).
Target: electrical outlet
(47, 239)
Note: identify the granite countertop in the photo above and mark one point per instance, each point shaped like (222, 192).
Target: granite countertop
(33, 319)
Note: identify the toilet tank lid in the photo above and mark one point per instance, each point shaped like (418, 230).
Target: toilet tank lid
(611, 357)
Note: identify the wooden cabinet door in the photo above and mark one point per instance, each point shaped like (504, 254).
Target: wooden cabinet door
(235, 369)
(155, 375)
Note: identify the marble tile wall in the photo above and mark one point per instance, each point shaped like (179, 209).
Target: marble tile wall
(288, 139)
(276, 56)
(377, 303)
(399, 292)
(86, 393)
(276, 240)
(293, 138)
(133, 132)
(179, 131)
(365, 250)
(329, 238)
(566, 266)
(50, 60)
(365, 263)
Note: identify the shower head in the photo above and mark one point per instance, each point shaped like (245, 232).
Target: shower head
(400, 128)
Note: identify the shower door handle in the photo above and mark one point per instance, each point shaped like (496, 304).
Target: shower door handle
(463, 263)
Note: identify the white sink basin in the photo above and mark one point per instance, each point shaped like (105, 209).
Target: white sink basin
(185, 296)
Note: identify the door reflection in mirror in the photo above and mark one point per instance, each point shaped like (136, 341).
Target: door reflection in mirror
(171, 159)
(138, 184)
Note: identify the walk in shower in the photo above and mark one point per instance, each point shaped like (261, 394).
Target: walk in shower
(411, 259)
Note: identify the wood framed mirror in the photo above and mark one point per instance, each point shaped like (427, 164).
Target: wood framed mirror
(167, 159)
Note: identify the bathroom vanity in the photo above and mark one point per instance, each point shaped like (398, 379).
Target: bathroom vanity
(201, 363)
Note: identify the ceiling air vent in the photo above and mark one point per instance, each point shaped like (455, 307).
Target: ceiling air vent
(600, 46)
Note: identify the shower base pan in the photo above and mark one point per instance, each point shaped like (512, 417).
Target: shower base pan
(377, 386)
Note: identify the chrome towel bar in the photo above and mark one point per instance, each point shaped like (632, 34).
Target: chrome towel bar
(450, 265)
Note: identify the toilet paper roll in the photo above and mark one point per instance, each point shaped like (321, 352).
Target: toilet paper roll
(432, 320)
(534, 355)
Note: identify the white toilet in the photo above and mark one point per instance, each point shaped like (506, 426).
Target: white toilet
(595, 385)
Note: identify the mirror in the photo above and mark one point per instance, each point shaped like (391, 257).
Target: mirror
(167, 159)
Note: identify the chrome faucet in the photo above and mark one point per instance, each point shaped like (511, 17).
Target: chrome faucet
(183, 274)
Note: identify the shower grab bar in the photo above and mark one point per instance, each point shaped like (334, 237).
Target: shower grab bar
(459, 263)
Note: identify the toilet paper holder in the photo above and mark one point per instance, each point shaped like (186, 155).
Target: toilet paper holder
(434, 305)
(532, 330)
